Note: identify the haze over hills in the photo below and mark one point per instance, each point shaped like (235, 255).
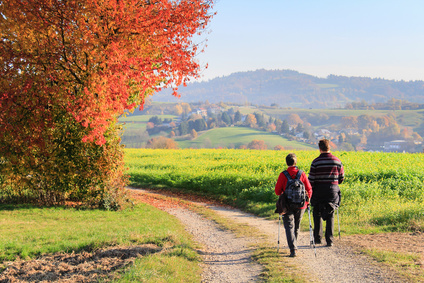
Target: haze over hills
(288, 88)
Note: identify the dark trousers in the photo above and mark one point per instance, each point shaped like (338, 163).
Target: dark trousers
(318, 229)
(291, 222)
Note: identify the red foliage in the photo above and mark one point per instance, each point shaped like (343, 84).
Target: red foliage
(70, 68)
(162, 142)
(99, 57)
(278, 147)
(257, 144)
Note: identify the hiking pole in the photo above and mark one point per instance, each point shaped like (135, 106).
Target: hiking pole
(338, 221)
(278, 241)
(311, 236)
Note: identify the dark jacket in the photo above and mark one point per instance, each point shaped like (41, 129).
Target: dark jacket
(325, 175)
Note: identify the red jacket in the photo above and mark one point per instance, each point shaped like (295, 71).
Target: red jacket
(280, 187)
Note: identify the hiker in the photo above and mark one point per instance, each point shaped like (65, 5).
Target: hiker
(325, 175)
(293, 216)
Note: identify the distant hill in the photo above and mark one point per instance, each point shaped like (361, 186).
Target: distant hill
(288, 88)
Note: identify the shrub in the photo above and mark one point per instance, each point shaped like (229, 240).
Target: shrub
(257, 144)
(162, 142)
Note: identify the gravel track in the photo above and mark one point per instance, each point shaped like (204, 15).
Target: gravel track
(227, 258)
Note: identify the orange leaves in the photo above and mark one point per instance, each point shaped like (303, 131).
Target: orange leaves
(70, 68)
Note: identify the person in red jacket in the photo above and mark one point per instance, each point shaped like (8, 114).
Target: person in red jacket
(292, 218)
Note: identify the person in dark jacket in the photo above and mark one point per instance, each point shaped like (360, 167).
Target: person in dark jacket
(292, 218)
(325, 175)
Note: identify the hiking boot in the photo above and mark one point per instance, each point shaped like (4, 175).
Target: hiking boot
(317, 242)
(329, 244)
(292, 253)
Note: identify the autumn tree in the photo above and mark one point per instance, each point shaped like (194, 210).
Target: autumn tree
(294, 120)
(185, 107)
(69, 69)
(178, 110)
(257, 144)
(278, 147)
(250, 121)
(150, 125)
(161, 142)
(350, 122)
(271, 128)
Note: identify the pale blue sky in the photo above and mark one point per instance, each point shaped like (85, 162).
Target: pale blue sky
(372, 38)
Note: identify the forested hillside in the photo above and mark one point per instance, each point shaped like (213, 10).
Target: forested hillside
(288, 88)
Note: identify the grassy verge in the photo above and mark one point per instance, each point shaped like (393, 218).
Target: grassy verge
(180, 265)
(405, 264)
(29, 232)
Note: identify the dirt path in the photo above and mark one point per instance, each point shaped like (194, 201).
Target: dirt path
(340, 263)
(226, 258)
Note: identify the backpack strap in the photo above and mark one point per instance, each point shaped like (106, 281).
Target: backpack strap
(299, 174)
(286, 173)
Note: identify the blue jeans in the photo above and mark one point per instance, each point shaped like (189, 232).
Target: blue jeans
(291, 222)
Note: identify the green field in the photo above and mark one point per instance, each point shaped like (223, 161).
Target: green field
(382, 191)
(234, 137)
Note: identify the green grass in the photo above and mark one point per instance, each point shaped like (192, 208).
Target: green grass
(278, 269)
(409, 118)
(131, 128)
(234, 137)
(177, 266)
(27, 232)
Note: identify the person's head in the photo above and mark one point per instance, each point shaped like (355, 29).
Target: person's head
(291, 159)
(324, 145)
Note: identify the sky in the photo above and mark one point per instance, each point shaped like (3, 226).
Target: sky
(365, 38)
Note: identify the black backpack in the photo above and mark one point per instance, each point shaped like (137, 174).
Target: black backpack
(295, 192)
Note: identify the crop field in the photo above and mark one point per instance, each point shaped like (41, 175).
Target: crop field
(382, 191)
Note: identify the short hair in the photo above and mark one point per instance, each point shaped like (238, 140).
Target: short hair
(291, 159)
(324, 145)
